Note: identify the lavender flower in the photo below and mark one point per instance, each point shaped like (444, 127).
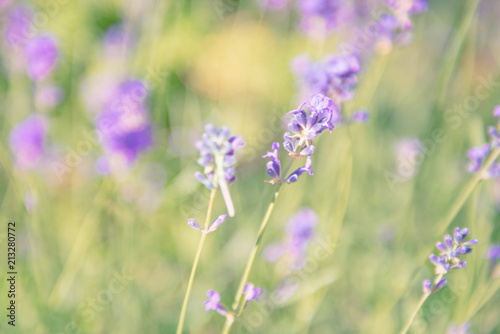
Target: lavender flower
(462, 329)
(217, 150)
(215, 225)
(449, 257)
(124, 123)
(48, 97)
(495, 136)
(493, 254)
(335, 76)
(306, 126)
(451, 250)
(360, 116)
(41, 54)
(213, 303)
(274, 168)
(27, 141)
(476, 156)
(299, 232)
(18, 29)
(322, 16)
(251, 292)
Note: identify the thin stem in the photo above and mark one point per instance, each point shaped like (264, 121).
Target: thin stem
(419, 306)
(248, 268)
(462, 198)
(195, 263)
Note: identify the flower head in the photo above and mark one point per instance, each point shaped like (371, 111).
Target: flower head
(217, 155)
(124, 122)
(322, 16)
(213, 303)
(308, 122)
(360, 116)
(476, 156)
(27, 142)
(18, 29)
(299, 233)
(274, 168)
(251, 292)
(335, 77)
(451, 251)
(41, 54)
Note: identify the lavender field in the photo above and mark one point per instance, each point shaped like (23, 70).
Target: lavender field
(258, 166)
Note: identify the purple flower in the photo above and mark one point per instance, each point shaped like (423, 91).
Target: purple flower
(274, 168)
(493, 252)
(494, 135)
(215, 225)
(335, 77)
(309, 120)
(428, 288)
(48, 97)
(299, 233)
(360, 116)
(456, 329)
(27, 141)
(251, 292)
(322, 16)
(476, 156)
(124, 124)
(217, 156)
(496, 111)
(451, 250)
(41, 54)
(18, 29)
(213, 303)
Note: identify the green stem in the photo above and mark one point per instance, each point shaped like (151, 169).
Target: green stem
(195, 263)
(462, 198)
(244, 278)
(419, 306)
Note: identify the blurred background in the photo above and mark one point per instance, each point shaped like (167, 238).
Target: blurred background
(101, 234)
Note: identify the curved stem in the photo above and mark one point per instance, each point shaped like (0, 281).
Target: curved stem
(248, 268)
(195, 263)
(419, 306)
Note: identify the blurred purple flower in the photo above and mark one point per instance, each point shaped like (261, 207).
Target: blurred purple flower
(18, 31)
(493, 252)
(495, 136)
(27, 141)
(320, 17)
(41, 54)
(217, 156)
(462, 329)
(251, 292)
(48, 97)
(476, 156)
(298, 234)
(335, 76)
(213, 303)
(361, 116)
(124, 123)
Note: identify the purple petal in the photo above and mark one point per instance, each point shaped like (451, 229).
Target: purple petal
(218, 222)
